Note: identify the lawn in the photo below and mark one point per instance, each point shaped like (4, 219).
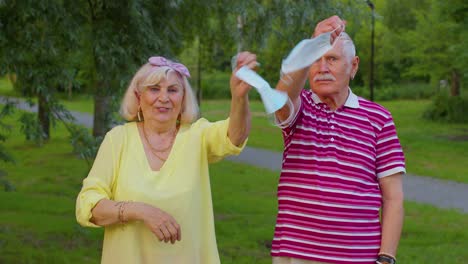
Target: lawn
(37, 223)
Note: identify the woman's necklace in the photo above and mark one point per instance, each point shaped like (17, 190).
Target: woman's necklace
(155, 150)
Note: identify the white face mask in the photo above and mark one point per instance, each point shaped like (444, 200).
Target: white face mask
(307, 52)
(273, 100)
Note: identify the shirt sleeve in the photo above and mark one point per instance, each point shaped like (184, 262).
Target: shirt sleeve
(98, 184)
(290, 128)
(217, 142)
(390, 157)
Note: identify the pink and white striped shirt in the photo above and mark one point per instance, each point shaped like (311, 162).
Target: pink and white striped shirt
(328, 193)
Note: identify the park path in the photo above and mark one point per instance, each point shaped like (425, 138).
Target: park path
(440, 193)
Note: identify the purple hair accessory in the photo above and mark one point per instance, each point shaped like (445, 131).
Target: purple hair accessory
(161, 61)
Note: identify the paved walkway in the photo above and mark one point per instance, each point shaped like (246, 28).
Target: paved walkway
(443, 194)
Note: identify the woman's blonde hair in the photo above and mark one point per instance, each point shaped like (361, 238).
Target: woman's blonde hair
(149, 75)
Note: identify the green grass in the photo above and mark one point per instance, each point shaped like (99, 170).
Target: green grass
(6, 88)
(431, 148)
(37, 223)
(78, 102)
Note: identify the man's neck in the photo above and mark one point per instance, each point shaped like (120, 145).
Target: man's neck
(335, 101)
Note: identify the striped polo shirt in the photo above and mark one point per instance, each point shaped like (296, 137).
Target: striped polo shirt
(328, 193)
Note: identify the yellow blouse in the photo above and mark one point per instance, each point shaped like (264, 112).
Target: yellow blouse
(121, 172)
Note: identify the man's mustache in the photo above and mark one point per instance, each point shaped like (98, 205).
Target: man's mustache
(324, 77)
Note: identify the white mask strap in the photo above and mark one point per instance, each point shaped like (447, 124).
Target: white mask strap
(337, 37)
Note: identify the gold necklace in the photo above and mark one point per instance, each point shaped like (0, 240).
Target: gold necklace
(163, 149)
(159, 157)
(154, 150)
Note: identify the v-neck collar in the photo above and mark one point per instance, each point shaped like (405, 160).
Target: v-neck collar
(145, 158)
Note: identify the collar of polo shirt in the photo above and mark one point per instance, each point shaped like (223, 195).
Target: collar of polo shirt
(352, 101)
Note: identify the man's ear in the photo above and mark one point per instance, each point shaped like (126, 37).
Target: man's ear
(355, 66)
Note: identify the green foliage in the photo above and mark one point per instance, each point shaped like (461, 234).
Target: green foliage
(35, 39)
(448, 109)
(435, 56)
(6, 88)
(398, 15)
(275, 27)
(268, 28)
(31, 128)
(123, 34)
(408, 42)
(118, 38)
(83, 142)
(5, 156)
(7, 109)
(402, 91)
(216, 86)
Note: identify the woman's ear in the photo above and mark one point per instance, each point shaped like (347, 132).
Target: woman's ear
(137, 95)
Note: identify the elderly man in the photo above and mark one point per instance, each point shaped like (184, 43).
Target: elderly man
(342, 166)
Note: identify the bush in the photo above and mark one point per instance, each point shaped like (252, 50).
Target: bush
(448, 108)
(411, 91)
(215, 85)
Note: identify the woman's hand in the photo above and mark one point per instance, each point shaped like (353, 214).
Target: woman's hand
(162, 224)
(240, 88)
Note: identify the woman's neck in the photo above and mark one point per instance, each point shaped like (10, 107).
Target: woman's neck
(161, 129)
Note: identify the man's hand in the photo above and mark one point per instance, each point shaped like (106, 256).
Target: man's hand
(328, 25)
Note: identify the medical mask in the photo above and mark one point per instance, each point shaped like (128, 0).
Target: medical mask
(272, 99)
(307, 52)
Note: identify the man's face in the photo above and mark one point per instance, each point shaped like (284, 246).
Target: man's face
(330, 74)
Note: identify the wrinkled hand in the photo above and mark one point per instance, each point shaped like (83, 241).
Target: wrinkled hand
(162, 224)
(240, 88)
(330, 24)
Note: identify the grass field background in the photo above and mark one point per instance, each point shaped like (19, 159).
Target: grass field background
(37, 223)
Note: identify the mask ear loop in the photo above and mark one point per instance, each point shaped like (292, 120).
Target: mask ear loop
(337, 37)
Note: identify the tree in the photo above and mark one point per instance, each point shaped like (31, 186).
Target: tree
(438, 42)
(270, 28)
(35, 39)
(122, 35)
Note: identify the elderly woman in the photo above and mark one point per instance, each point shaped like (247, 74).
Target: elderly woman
(149, 184)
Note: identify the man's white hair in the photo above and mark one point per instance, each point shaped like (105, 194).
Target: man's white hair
(348, 45)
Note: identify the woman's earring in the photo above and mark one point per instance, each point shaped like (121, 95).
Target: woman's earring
(138, 114)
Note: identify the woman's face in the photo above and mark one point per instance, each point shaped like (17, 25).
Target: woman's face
(163, 102)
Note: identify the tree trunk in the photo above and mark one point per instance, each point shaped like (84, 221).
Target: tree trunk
(102, 107)
(69, 89)
(12, 78)
(43, 114)
(455, 84)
